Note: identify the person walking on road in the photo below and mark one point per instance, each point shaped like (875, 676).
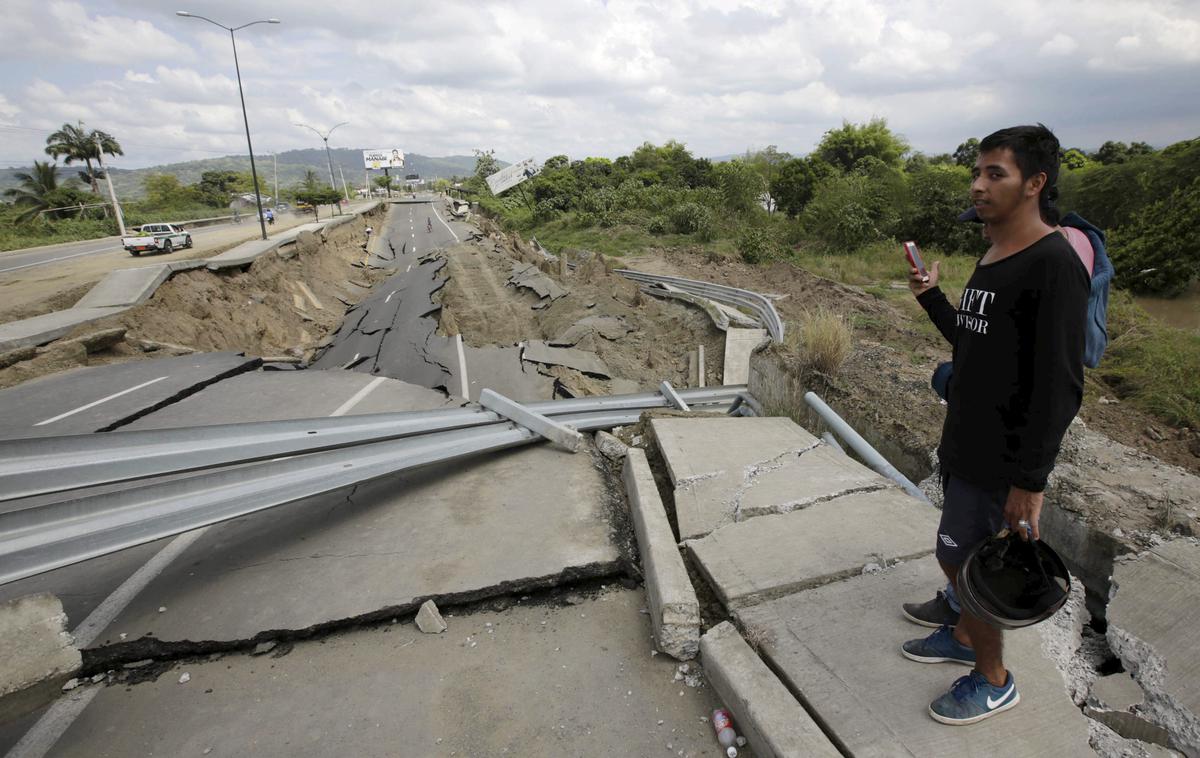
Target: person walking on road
(429, 225)
(1018, 337)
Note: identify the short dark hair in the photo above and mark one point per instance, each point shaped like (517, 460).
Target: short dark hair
(1035, 150)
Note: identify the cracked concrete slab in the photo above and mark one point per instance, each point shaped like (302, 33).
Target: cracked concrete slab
(456, 529)
(564, 675)
(739, 345)
(105, 397)
(501, 369)
(608, 327)
(128, 286)
(1159, 648)
(764, 558)
(837, 648)
(762, 466)
(538, 351)
(529, 276)
(274, 396)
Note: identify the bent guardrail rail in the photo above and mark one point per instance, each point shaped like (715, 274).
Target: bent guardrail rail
(759, 304)
(38, 536)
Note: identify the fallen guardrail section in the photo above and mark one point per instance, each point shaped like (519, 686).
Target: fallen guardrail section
(760, 305)
(46, 522)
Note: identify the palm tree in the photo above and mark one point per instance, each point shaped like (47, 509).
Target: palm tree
(72, 143)
(35, 190)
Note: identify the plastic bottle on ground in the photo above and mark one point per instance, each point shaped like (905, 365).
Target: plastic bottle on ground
(722, 723)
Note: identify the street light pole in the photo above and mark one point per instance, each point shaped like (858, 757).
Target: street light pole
(328, 157)
(262, 223)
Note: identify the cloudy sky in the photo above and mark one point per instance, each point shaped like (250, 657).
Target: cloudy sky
(587, 77)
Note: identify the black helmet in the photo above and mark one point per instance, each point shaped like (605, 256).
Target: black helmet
(1012, 583)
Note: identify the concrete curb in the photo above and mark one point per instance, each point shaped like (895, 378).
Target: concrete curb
(674, 610)
(112, 292)
(764, 711)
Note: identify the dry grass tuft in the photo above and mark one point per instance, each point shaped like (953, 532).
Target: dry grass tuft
(822, 339)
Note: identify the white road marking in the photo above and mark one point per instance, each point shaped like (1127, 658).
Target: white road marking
(347, 406)
(94, 403)
(54, 722)
(439, 218)
(43, 735)
(52, 260)
(408, 269)
(389, 297)
(462, 365)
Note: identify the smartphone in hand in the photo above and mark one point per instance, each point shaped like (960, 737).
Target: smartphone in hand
(914, 257)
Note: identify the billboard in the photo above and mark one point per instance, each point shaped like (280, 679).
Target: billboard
(377, 159)
(511, 176)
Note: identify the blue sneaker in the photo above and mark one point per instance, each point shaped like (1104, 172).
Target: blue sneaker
(939, 647)
(973, 698)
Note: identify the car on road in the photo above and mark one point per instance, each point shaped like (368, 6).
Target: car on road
(282, 207)
(152, 238)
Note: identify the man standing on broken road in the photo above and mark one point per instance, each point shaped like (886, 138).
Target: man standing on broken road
(1018, 337)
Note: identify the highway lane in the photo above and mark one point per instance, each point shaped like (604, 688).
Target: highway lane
(19, 260)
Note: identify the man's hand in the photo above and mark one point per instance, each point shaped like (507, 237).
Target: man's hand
(1023, 505)
(918, 283)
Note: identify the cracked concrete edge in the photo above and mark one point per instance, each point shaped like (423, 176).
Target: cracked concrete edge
(674, 608)
(771, 719)
(249, 364)
(35, 646)
(774, 509)
(1149, 670)
(105, 657)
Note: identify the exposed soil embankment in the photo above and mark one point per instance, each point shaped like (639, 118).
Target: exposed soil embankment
(642, 340)
(283, 304)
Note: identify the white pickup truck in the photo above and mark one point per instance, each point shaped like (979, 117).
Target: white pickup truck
(152, 238)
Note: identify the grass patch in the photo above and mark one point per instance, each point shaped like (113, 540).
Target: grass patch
(1152, 365)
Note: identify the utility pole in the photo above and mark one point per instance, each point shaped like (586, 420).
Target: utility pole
(345, 191)
(111, 193)
(275, 160)
(262, 223)
(388, 187)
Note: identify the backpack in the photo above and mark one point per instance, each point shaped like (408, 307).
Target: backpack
(1096, 325)
(1097, 306)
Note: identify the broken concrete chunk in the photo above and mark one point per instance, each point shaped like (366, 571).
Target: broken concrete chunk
(429, 620)
(537, 351)
(608, 327)
(531, 277)
(610, 447)
(263, 648)
(35, 646)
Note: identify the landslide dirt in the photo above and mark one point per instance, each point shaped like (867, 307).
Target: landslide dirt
(479, 304)
(262, 311)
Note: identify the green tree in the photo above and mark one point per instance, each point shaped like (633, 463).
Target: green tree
(163, 190)
(1159, 251)
(846, 146)
(767, 163)
(318, 196)
(384, 182)
(486, 164)
(40, 191)
(741, 185)
(937, 194)
(1112, 152)
(848, 211)
(311, 181)
(967, 153)
(73, 143)
(216, 187)
(793, 185)
(1075, 159)
(1140, 148)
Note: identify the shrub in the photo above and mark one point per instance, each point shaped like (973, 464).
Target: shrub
(758, 245)
(848, 212)
(657, 225)
(691, 218)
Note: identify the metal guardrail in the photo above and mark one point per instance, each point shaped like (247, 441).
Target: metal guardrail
(30, 467)
(759, 304)
(38, 536)
(870, 455)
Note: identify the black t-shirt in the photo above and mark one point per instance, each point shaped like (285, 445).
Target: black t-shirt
(1018, 337)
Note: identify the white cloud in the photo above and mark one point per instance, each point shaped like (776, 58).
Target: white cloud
(593, 77)
(1059, 44)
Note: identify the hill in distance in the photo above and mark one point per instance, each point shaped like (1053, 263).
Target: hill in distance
(291, 167)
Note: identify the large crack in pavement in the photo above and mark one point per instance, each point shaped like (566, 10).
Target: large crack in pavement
(112, 657)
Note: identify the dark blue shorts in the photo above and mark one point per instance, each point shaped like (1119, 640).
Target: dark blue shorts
(970, 514)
